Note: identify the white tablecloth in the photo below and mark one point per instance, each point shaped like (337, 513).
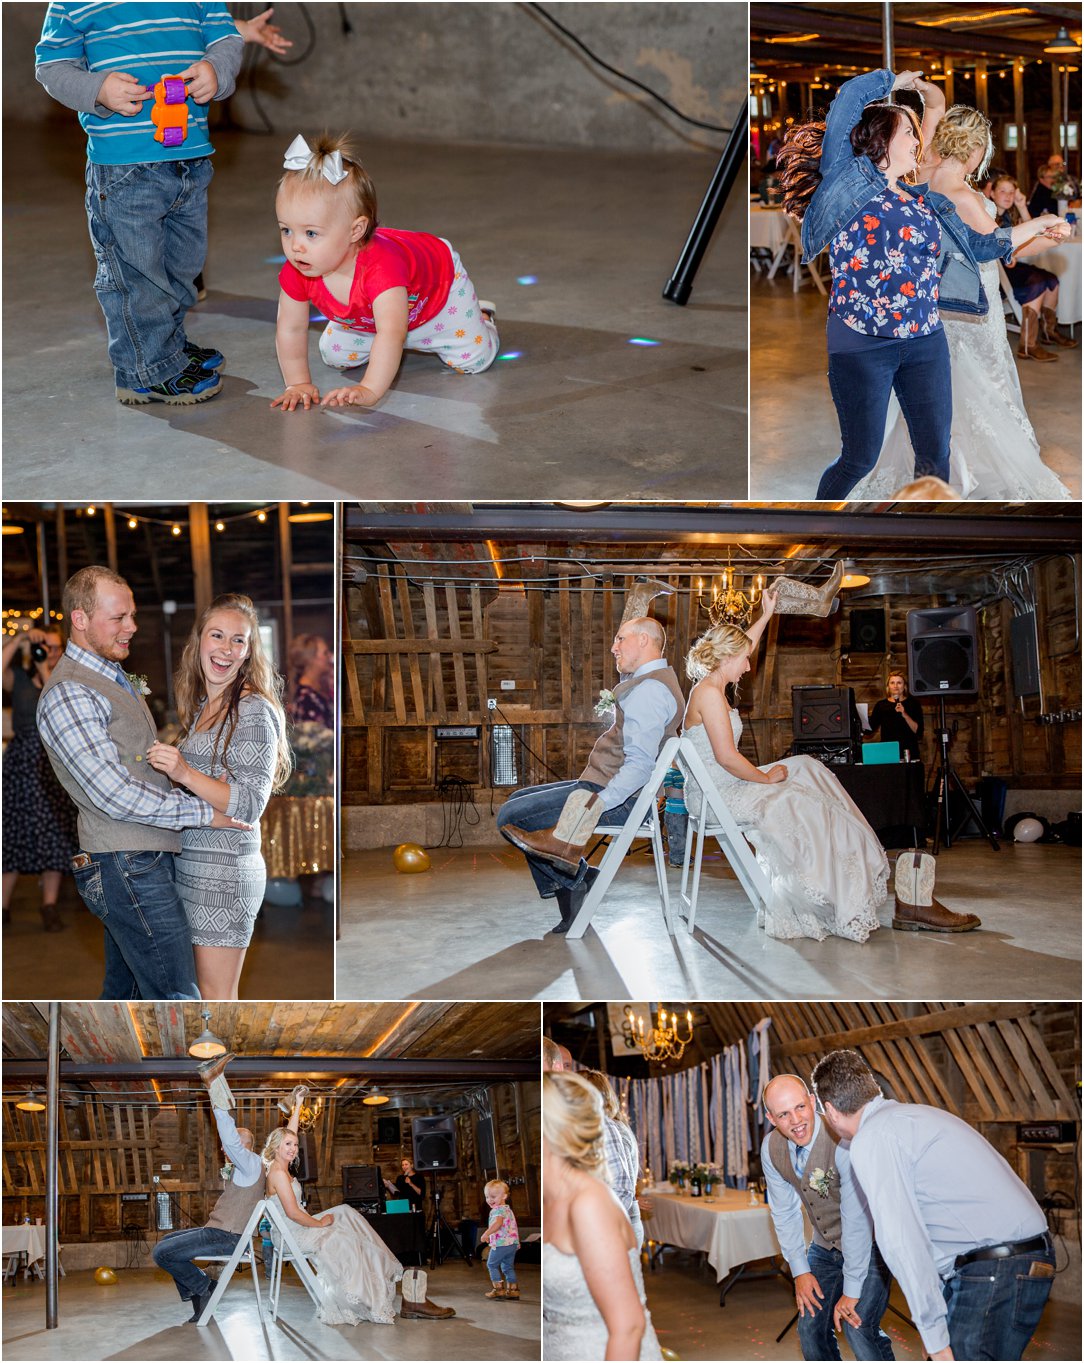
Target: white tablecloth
(767, 227)
(1063, 260)
(729, 1230)
(28, 1240)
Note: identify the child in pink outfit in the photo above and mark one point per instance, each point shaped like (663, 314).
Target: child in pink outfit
(382, 290)
(502, 1236)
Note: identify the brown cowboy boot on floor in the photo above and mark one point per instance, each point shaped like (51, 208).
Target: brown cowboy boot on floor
(565, 842)
(1029, 347)
(416, 1305)
(916, 908)
(511, 1292)
(497, 1291)
(1048, 330)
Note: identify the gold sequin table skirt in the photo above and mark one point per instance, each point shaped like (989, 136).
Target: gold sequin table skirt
(298, 835)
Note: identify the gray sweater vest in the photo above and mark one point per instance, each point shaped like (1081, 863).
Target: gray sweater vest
(235, 1206)
(608, 754)
(132, 730)
(823, 1212)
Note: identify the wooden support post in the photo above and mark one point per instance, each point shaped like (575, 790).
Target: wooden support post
(1018, 119)
(200, 535)
(52, 1100)
(286, 557)
(110, 535)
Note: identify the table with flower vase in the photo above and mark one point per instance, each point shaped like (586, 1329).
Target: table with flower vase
(1062, 259)
(731, 1229)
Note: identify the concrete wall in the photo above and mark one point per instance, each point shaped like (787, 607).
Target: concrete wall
(464, 73)
(369, 826)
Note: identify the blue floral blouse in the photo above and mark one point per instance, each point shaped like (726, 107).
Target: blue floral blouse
(884, 268)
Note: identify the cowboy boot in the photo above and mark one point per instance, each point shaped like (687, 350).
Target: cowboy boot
(570, 900)
(916, 908)
(564, 843)
(1048, 329)
(286, 1105)
(1029, 348)
(498, 1292)
(794, 597)
(511, 1292)
(416, 1305)
(210, 1073)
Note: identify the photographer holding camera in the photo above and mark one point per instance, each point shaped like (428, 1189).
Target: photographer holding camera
(39, 818)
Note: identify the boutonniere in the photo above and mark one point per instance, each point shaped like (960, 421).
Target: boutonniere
(820, 1180)
(606, 703)
(227, 1171)
(139, 683)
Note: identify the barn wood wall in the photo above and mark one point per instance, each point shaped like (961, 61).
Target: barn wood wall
(416, 656)
(108, 1148)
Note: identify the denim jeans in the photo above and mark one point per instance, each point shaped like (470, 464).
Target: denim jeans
(862, 381)
(175, 1252)
(502, 1257)
(817, 1334)
(148, 227)
(994, 1306)
(538, 807)
(148, 945)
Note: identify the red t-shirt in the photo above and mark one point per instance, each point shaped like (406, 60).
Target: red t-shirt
(390, 259)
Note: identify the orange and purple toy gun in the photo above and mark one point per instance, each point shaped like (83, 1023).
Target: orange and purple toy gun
(169, 113)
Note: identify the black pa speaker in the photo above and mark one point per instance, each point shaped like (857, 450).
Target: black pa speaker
(387, 1130)
(362, 1183)
(942, 650)
(1024, 641)
(487, 1149)
(868, 631)
(434, 1142)
(824, 713)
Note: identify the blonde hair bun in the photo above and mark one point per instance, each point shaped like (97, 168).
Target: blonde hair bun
(715, 644)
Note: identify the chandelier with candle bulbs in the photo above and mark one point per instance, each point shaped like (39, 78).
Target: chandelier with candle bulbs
(729, 603)
(661, 1041)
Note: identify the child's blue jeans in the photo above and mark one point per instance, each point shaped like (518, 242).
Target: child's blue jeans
(148, 227)
(502, 1257)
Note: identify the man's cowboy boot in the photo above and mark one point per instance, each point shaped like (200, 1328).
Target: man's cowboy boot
(1029, 347)
(415, 1303)
(210, 1073)
(570, 900)
(564, 843)
(1048, 329)
(916, 908)
(794, 597)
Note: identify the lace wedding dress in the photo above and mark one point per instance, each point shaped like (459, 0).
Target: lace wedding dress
(994, 453)
(355, 1270)
(573, 1327)
(827, 870)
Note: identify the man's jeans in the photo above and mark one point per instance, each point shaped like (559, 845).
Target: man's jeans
(862, 381)
(175, 1252)
(994, 1306)
(816, 1333)
(148, 227)
(148, 945)
(538, 807)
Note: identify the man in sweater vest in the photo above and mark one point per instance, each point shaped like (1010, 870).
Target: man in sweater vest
(963, 1236)
(840, 1279)
(553, 823)
(96, 729)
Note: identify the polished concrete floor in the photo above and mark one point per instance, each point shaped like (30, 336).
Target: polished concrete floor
(485, 935)
(684, 1304)
(142, 1318)
(794, 431)
(291, 955)
(573, 409)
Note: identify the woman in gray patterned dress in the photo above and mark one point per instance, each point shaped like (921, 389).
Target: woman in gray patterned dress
(233, 755)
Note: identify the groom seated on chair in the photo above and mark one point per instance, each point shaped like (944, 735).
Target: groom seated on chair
(553, 823)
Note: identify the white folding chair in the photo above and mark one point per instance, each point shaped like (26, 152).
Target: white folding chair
(247, 1257)
(243, 1251)
(710, 818)
(281, 1254)
(642, 822)
(1010, 298)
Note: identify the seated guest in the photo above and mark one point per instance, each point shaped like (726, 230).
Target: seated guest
(410, 1184)
(898, 717)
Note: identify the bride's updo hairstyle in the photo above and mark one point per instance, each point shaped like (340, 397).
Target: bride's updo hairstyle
(717, 643)
(271, 1145)
(572, 1122)
(357, 190)
(961, 133)
(799, 159)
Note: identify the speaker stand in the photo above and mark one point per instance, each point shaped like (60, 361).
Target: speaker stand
(947, 776)
(437, 1252)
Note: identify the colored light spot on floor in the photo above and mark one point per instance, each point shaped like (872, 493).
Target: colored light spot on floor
(527, 279)
(511, 355)
(642, 340)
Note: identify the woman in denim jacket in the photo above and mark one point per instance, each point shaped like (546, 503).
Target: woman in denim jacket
(897, 255)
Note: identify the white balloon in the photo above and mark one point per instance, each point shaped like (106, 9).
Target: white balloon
(1027, 830)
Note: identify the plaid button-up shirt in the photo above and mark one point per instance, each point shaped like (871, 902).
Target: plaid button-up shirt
(73, 721)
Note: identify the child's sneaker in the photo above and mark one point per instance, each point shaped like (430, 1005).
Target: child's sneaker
(511, 1292)
(192, 384)
(498, 1291)
(209, 358)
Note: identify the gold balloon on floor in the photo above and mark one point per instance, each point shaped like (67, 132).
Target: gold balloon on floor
(409, 858)
(670, 1355)
(105, 1276)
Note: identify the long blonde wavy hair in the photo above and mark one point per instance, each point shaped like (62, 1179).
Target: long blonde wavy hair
(271, 1145)
(572, 1122)
(255, 677)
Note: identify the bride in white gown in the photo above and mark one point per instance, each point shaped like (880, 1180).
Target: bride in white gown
(826, 869)
(355, 1270)
(994, 452)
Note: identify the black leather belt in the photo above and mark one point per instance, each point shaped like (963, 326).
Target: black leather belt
(1036, 1245)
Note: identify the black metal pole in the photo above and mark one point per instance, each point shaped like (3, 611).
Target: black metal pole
(52, 1091)
(679, 286)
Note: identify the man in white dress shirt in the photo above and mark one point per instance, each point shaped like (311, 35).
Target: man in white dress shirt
(553, 823)
(964, 1238)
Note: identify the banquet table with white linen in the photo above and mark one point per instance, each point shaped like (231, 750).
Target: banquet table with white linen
(730, 1230)
(28, 1240)
(767, 227)
(1062, 259)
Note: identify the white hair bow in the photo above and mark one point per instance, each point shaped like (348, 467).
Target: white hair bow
(299, 156)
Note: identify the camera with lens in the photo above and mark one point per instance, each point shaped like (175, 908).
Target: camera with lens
(38, 652)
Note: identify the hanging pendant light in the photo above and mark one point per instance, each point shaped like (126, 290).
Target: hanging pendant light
(374, 1097)
(206, 1046)
(31, 1103)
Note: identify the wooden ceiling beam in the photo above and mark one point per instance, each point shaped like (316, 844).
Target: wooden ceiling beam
(283, 1066)
(962, 1016)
